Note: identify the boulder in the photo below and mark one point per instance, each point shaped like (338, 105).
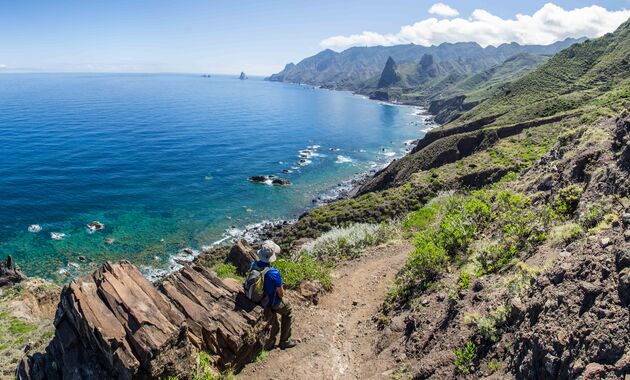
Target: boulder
(258, 178)
(280, 181)
(311, 290)
(241, 256)
(10, 273)
(297, 245)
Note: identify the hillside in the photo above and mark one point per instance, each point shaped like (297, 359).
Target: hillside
(449, 90)
(351, 68)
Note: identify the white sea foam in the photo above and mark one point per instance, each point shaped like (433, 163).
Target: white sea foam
(343, 159)
(388, 153)
(34, 228)
(57, 235)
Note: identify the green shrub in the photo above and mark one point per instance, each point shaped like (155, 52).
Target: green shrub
(523, 227)
(304, 268)
(490, 327)
(262, 355)
(593, 215)
(426, 261)
(464, 357)
(565, 234)
(206, 371)
(567, 200)
(421, 219)
(463, 217)
(521, 279)
(494, 366)
(463, 282)
(225, 270)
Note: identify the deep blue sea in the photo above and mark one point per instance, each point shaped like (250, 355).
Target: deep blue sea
(163, 161)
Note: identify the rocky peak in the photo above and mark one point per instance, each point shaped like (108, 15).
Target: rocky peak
(428, 66)
(389, 76)
(243, 76)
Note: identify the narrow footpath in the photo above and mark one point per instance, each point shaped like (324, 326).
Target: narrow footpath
(338, 337)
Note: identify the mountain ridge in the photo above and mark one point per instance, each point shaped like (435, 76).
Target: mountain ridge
(343, 70)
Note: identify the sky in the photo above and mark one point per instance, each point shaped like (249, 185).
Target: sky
(260, 37)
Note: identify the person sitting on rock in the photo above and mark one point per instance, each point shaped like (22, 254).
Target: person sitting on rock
(274, 291)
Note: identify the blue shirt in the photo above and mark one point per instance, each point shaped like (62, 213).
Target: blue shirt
(273, 281)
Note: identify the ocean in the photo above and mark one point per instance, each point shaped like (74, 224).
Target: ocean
(163, 161)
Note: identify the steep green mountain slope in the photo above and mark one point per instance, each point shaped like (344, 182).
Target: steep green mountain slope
(446, 88)
(351, 68)
(592, 74)
(589, 79)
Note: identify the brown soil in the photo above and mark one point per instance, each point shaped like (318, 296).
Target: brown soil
(338, 337)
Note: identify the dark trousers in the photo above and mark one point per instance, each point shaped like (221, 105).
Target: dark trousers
(285, 311)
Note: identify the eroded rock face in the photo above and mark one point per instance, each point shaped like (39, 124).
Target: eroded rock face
(574, 320)
(115, 324)
(10, 273)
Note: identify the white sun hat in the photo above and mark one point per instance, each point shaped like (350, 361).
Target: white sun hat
(267, 253)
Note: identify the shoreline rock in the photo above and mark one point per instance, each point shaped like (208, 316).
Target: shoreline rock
(10, 273)
(269, 180)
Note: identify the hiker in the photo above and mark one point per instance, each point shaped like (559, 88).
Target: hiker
(270, 291)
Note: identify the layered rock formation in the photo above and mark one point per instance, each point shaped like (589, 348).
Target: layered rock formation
(115, 324)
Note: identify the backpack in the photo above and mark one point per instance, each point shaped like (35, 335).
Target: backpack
(255, 285)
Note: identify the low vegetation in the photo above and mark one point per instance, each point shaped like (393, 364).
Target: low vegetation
(227, 270)
(349, 242)
(316, 258)
(305, 268)
(464, 357)
(447, 231)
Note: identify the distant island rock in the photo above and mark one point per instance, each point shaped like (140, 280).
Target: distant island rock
(206, 76)
(243, 76)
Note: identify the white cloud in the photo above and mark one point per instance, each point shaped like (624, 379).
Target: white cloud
(3, 67)
(549, 24)
(443, 10)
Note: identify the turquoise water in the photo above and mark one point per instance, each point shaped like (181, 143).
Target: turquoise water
(163, 160)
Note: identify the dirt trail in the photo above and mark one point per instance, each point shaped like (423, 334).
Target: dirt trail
(338, 337)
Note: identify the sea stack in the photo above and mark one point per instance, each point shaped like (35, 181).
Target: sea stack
(389, 76)
(243, 76)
